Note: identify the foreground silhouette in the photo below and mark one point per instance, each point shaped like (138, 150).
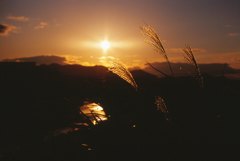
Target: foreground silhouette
(41, 119)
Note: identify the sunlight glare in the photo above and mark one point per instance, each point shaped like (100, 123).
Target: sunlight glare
(105, 45)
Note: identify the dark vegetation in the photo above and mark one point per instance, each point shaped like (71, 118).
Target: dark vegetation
(39, 109)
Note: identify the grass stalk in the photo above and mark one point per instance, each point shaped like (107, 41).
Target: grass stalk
(189, 56)
(153, 38)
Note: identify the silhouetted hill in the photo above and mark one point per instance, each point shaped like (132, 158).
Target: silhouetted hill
(39, 101)
(97, 72)
(180, 69)
(42, 59)
(184, 69)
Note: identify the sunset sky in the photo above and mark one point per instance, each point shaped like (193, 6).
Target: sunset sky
(75, 29)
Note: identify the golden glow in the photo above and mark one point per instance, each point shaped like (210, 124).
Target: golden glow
(105, 45)
(94, 112)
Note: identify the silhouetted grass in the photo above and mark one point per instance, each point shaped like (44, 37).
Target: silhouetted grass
(119, 69)
(153, 38)
(189, 56)
(161, 106)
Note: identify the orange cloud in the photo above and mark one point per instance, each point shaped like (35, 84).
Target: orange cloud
(41, 25)
(6, 29)
(233, 34)
(18, 18)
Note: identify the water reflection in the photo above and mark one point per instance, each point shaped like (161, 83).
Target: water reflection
(65, 131)
(86, 147)
(94, 112)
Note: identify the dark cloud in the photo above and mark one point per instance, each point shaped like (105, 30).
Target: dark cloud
(6, 29)
(184, 69)
(40, 60)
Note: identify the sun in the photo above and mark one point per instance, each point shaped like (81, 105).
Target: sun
(105, 45)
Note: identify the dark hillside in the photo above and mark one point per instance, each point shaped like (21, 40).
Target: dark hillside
(39, 114)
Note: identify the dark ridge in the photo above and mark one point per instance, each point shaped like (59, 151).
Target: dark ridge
(38, 101)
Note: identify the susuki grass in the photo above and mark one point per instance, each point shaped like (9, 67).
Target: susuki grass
(161, 106)
(161, 72)
(153, 38)
(119, 69)
(189, 56)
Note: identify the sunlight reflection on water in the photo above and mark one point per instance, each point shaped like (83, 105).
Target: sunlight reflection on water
(94, 112)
